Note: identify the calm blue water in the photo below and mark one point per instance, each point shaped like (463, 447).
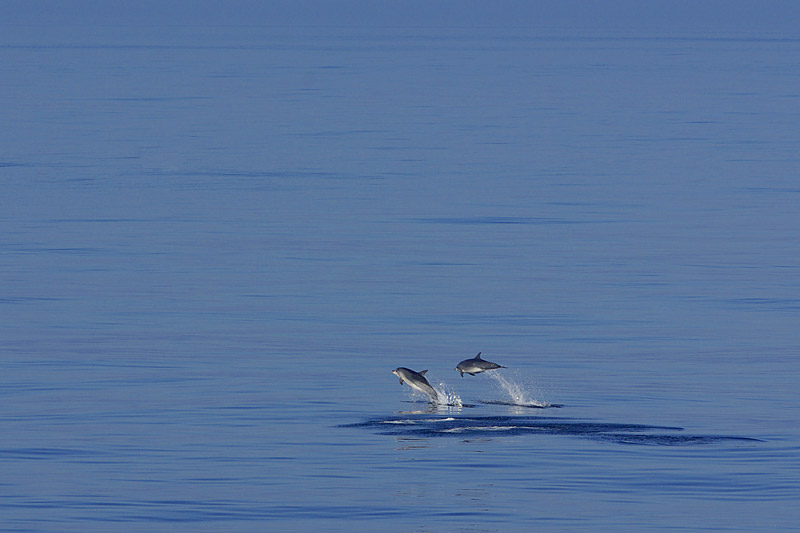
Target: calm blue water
(218, 242)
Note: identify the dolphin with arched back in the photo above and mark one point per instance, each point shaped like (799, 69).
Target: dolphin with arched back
(417, 381)
(476, 365)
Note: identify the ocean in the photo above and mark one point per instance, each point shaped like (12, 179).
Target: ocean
(219, 241)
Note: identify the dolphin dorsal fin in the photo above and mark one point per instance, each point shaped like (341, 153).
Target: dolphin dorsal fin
(422, 373)
(478, 356)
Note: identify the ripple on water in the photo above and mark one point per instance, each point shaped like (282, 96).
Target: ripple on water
(499, 426)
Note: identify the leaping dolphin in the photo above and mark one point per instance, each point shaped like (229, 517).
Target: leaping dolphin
(476, 365)
(417, 381)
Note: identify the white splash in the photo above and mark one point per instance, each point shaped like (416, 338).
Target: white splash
(447, 396)
(515, 391)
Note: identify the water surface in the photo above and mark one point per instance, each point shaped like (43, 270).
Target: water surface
(218, 242)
